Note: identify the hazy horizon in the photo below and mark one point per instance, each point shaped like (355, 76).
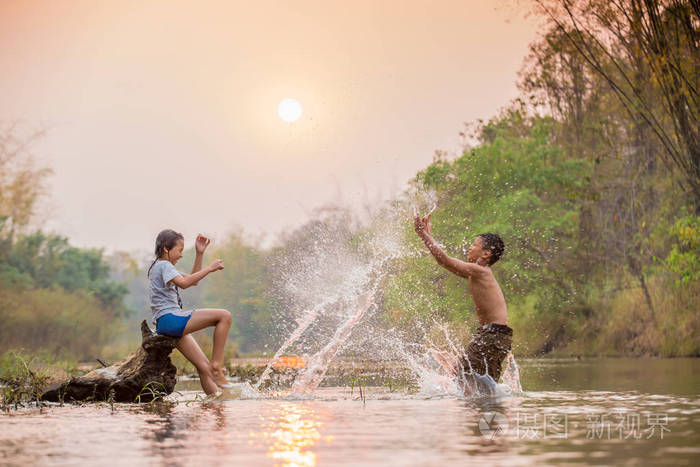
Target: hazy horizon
(161, 115)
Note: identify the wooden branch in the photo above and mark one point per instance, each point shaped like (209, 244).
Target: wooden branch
(142, 376)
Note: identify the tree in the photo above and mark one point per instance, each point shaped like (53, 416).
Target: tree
(242, 288)
(516, 183)
(21, 181)
(647, 52)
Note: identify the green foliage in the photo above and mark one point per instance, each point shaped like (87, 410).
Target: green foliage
(684, 258)
(53, 297)
(243, 289)
(584, 198)
(153, 391)
(581, 228)
(516, 183)
(53, 320)
(645, 55)
(46, 260)
(20, 380)
(56, 297)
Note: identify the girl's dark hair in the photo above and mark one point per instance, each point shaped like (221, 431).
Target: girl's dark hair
(166, 239)
(493, 242)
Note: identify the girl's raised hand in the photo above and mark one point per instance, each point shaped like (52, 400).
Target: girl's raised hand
(201, 243)
(216, 265)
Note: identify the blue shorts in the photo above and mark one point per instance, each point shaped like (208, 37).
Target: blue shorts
(172, 325)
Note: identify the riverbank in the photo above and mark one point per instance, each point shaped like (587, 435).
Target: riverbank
(606, 322)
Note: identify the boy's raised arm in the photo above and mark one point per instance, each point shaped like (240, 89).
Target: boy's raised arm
(455, 266)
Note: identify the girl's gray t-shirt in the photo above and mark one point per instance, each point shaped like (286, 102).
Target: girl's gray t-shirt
(163, 293)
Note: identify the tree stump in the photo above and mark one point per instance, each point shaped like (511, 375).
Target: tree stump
(142, 376)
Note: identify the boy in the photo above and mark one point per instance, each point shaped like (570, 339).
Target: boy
(492, 340)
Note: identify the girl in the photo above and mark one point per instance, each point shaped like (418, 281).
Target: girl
(166, 305)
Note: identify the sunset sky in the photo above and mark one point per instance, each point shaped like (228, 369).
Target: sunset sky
(163, 114)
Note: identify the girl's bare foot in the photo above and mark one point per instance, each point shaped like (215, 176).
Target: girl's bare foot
(217, 396)
(218, 374)
(209, 384)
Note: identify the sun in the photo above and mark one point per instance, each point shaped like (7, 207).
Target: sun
(289, 110)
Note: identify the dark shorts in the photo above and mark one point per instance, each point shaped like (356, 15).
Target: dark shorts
(172, 325)
(486, 351)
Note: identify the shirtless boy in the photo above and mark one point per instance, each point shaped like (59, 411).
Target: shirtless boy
(492, 340)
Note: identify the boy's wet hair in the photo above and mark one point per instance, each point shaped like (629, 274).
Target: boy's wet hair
(493, 242)
(166, 239)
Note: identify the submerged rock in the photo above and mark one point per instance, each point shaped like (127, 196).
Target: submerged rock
(144, 375)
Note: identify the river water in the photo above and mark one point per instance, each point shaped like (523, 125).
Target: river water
(591, 411)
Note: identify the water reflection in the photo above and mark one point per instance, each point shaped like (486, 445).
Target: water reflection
(164, 424)
(217, 409)
(537, 427)
(291, 432)
(492, 418)
(174, 431)
(486, 426)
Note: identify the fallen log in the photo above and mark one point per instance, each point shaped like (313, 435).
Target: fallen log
(144, 375)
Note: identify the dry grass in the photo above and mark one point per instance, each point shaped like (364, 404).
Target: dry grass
(617, 323)
(23, 376)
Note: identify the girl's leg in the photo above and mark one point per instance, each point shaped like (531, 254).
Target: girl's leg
(189, 348)
(221, 319)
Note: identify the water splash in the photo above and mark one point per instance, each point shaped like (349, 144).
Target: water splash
(437, 372)
(307, 319)
(433, 380)
(422, 201)
(333, 279)
(317, 366)
(237, 391)
(511, 375)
